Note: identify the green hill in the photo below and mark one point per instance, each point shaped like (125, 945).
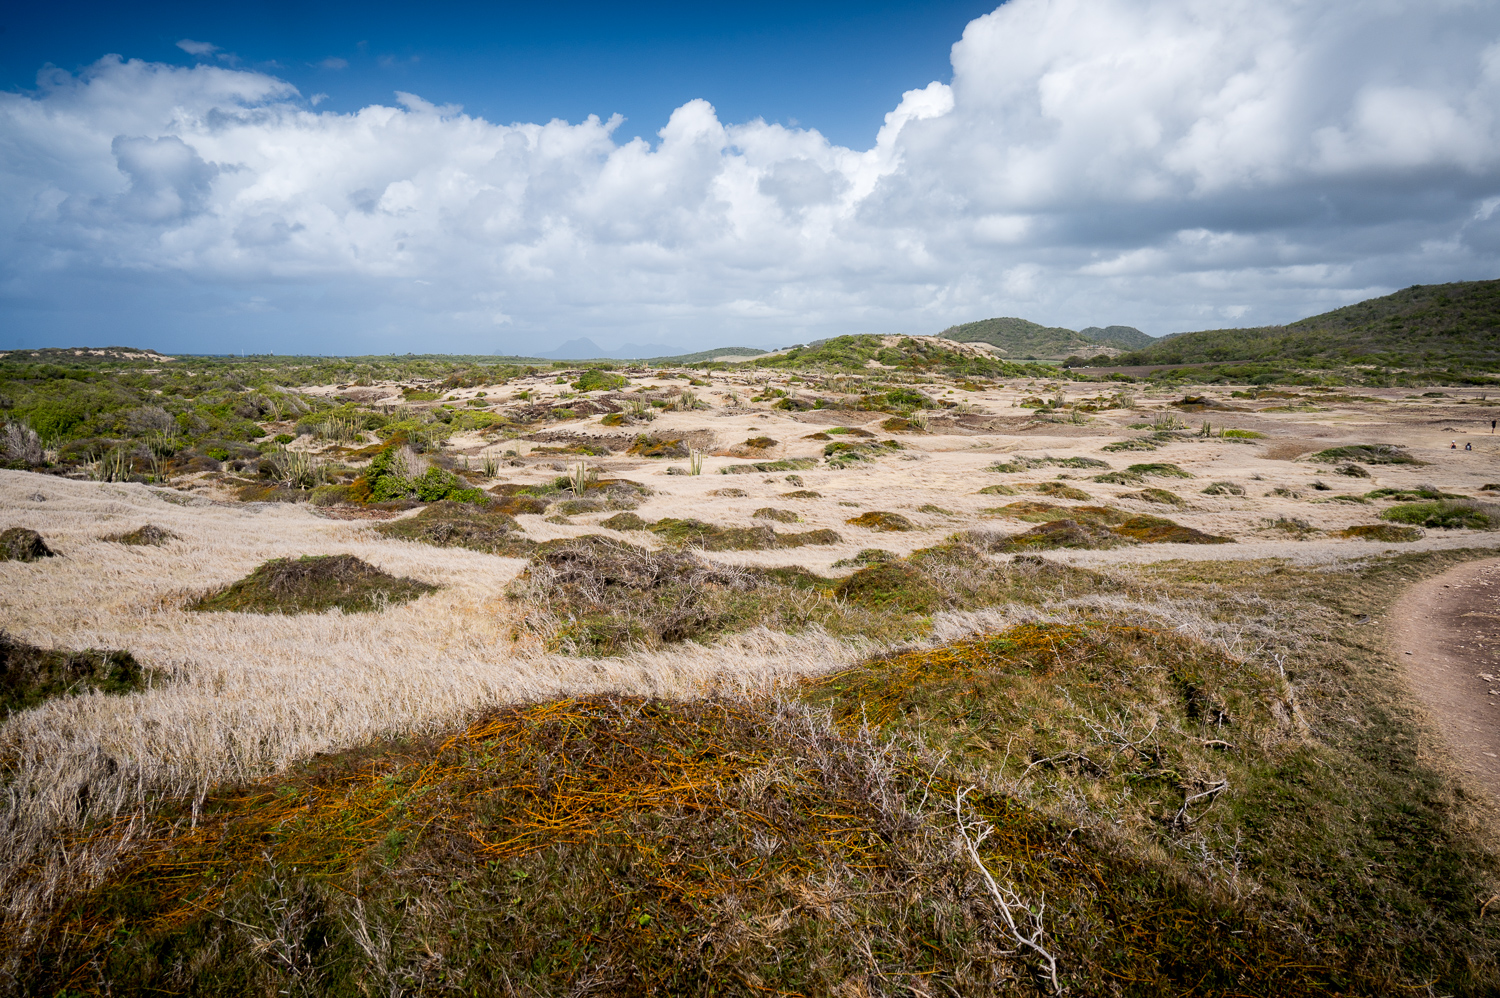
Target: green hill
(1125, 337)
(1021, 339)
(1451, 326)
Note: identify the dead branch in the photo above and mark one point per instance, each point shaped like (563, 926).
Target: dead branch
(973, 833)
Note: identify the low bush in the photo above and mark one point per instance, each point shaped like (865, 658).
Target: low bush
(1224, 489)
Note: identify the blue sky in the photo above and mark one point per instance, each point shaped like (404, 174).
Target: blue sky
(836, 67)
(368, 178)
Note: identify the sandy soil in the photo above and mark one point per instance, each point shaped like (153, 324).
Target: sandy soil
(1447, 631)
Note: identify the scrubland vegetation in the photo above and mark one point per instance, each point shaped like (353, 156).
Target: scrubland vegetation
(882, 666)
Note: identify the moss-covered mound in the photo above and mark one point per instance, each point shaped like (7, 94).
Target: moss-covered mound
(1158, 530)
(1162, 497)
(891, 585)
(452, 524)
(1160, 469)
(1058, 490)
(711, 537)
(148, 535)
(1443, 514)
(1365, 454)
(779, 515)
(1386, 532)
(1062, 534)
(30, 675)
(21, 544)
(313, 585)
(877, 519)
(1224, 489)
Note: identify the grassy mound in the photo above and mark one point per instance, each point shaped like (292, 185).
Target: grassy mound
(802, 494)
(1224, 489)
(1020, 462)
(891, 585)
(1062, 534)
(1119, 478)
(1058, 490)
(1142, 794)
(996, 490)
(880, 520)
(779, 515)
(313, 585)
(30, 675)
(1365, 454)
(1158, 530)
(452, 524)
(1387, 532)
(1443, 514)
(634, 847)
(20, 544)
(770, 467)
(148, 535)
(1158, 469)
(1160, 496)
(711, 537)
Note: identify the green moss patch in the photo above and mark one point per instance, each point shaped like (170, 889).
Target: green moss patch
(779, 515)
(1224, 489)
(802, 494)
(881, 520)
(313, 584)
(1442, 514)
(465, 525)
(21, 544)
(30, 676)
(996, 490)
(1119, 478)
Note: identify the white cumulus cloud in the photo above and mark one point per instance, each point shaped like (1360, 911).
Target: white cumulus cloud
(1161, 163)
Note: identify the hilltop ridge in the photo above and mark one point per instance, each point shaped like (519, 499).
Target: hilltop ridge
(1021, 339)
(1426, 326)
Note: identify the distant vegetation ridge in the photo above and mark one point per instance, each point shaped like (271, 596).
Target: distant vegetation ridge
(1022, 339)
(1427, 326)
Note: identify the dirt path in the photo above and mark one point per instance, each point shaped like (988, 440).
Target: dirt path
(1447, 632)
